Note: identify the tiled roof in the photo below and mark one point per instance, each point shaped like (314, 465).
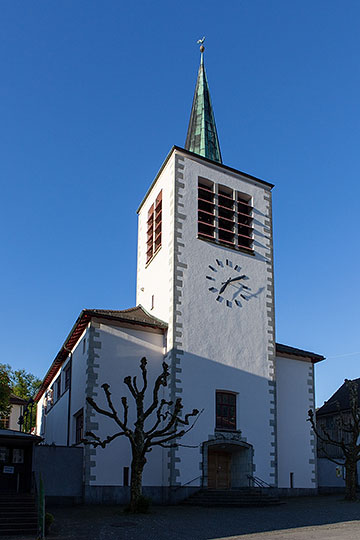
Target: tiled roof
(19, 435)
(341, 398)
(285, 350)
(16, 400)
(136, 315)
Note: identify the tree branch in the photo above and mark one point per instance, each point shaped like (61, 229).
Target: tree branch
(161, 417)
(127, 381)
(160, 381)
(126, 409)
(326, 437)
(174, 434)
(143, 363)
(123, 426)
(98, 442)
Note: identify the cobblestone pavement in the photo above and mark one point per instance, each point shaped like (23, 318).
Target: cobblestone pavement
(320, 518)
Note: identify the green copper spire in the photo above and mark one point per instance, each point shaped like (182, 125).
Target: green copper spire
(202, 136)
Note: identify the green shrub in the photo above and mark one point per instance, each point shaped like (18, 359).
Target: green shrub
(49, 519)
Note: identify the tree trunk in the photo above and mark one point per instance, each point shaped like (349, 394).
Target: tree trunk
(137, 467)
(351, 480)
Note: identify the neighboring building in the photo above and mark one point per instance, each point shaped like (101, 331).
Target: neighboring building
(205, 305)
(331, 474)
(17, 409)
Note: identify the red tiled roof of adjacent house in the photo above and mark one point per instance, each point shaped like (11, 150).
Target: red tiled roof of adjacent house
(136, 315)
(285, 350)
(338, 401)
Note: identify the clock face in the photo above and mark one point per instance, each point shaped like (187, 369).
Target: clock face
(227, 282)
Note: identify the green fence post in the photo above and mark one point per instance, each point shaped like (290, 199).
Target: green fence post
(41, 510)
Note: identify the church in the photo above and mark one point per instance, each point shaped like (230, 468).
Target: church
(205, 306)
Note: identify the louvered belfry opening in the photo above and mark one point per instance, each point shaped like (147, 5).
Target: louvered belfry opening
(206, 209)
(244, 221)
(154, 228)
(224, 215)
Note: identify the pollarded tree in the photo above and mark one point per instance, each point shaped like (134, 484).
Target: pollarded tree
(167, 427)
(345, 436)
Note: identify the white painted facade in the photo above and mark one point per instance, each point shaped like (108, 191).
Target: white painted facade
(15, 413)
(210, 346)
(295, 396)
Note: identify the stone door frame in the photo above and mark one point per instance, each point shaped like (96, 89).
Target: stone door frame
(224, 441)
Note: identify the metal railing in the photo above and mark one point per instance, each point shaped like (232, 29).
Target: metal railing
(175, 488)
(258, 482)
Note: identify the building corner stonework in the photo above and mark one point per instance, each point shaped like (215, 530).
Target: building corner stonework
(92, 366)
(175, 343)
(271, 344)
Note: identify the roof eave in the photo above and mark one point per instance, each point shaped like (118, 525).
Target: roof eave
(198, 156)
(77, 330)
(294, 353)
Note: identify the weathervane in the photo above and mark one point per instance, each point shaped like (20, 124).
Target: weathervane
(201, 42)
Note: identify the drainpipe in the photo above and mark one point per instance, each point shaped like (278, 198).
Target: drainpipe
(69, 400)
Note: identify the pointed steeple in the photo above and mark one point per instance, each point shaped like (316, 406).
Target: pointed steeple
(202, 136)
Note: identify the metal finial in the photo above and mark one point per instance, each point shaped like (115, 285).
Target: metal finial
(201, 42)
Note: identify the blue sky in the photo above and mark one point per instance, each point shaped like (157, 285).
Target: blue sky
(94, 94)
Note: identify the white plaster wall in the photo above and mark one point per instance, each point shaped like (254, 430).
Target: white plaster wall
(120, 354)
(294, 433)
(40, 419)
(224, 348)
(16, 411)
(155, 276)
(54, 424)
(78, 381)
(56, 419)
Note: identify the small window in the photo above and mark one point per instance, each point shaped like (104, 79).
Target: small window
(226, 411)
(49, 398)
(58, 387)
(84, 345)
(67, 372)
(4, 422)
(79, 426)
(4, 454)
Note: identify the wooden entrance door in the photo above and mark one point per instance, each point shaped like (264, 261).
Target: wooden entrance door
(219, 475)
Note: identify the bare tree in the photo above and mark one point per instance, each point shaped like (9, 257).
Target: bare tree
(346, 439)
(167, 426)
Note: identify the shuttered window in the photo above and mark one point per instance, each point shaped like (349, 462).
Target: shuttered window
(154, 228)
(224, 216)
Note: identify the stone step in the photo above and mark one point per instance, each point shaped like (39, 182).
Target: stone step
(19, 519)
(19, 525)
(18, 516)
(19, 532)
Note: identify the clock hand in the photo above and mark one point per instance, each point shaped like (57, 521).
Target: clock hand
(226, 283)
(236, 278)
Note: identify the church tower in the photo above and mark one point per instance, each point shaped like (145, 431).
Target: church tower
(205, 267)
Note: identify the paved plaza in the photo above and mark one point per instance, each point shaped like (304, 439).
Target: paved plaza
(320, 518)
